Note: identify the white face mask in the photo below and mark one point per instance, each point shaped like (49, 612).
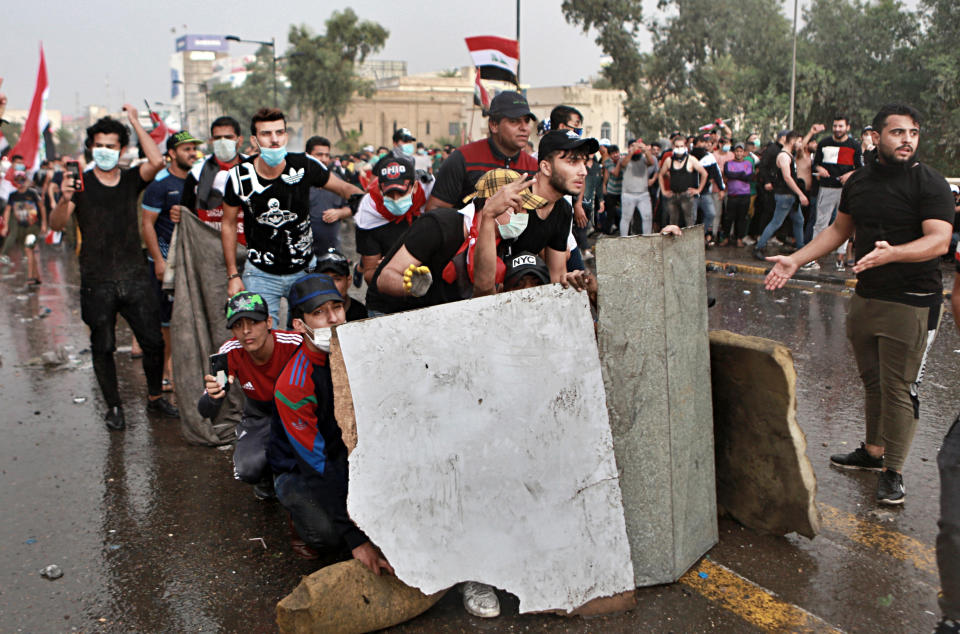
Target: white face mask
(320, 337)
(225, 149)
(679, 151)
(513, 229)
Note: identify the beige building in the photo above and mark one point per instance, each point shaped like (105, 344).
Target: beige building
(438, 107)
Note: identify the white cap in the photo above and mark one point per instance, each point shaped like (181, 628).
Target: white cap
(605, 142)
(955, 189)
(368, 148)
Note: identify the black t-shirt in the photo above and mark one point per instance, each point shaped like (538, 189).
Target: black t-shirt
(433, 239)
(24, 207)
(890, 202)
(541, 233)
(276, 212)
(357, 310)
(107, 218)
(381, 239)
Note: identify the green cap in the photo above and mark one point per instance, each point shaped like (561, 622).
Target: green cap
(180, 138)
(246, 304)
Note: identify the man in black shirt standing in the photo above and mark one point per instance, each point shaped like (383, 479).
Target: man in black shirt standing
(112, 264)
(902, 212)
(273, 189)
(836, 159)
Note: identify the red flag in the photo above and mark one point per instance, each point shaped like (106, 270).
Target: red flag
(480, 96)
(31, 138)
(160, 132)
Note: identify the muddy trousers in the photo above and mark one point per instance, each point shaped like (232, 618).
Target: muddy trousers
(136, 302)
(948, 539)
(890, 343)
(682, 210)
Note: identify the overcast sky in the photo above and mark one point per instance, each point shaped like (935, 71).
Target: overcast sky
(127, 45)
(92, 43)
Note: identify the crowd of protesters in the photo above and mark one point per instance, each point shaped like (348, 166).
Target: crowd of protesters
(501, 213)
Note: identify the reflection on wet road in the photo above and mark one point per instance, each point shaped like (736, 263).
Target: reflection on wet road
(155, 535)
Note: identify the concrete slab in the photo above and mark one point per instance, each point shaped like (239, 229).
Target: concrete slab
(484, 449)
(764, 479)
(346, 598)
(342, 397)
(654, 353)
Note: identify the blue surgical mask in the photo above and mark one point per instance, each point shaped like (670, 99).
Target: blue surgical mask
(399, 206)
(408, 148)
(105, 158)
(273, 156)
(726, 148)
(19, 167)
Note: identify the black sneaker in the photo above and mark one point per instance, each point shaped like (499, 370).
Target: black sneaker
(264, 490)
(857, 459)
(163, 407)
(947, 626)
(890, 488)
(115, 419)
(759, 254)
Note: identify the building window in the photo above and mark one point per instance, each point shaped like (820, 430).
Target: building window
(428, 128)
(605, 130)
(454, 129)
(394, 125)
(360, 126)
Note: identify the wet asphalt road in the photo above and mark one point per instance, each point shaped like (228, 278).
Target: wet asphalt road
(155, 535)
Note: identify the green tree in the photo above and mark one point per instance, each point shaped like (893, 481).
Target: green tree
(323, 68)
(254, 93)
(11, 132)
(67, 144)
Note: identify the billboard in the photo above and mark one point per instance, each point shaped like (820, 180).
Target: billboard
(202, 43)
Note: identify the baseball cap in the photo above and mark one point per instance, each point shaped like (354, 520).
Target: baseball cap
(565, 140)
(311, 291)
(525, 263)
(738, 145)
(368, 148)
(395, 172)
(180, 138)
(605, 142)
(866, 128)
(403, 135)
(246, 304)
(332, 261)
(512, 105)
(491, 182)
(954, 189)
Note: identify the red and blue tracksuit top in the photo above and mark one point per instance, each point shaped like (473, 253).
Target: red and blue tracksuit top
(305, 438)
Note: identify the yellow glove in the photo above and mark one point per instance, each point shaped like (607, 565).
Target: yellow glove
(417, 280)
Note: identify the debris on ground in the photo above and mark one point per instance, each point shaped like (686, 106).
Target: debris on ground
(52, 572)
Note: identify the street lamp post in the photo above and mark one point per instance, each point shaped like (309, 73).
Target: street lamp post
(273, 55)
(793, 76)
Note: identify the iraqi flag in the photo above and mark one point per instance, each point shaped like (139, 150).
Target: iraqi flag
(496, 58)
(31, 145)
(480, 96)
(160, 131)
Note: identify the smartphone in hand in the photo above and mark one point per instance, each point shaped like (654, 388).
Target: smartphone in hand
(219, 369)
(73, 171)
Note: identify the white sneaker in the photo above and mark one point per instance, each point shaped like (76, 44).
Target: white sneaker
(811, 266)
(587, 254)
(748, 241)
(774, 242)
(481, 600)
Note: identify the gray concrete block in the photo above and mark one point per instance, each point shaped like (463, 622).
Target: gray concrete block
(654, 353)
(766, 481)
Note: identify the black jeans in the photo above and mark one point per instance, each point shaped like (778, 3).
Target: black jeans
(735, 217)
(136, 302)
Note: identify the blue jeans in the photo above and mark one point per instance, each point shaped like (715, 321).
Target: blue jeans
(948, 539)
(272, 287)
(709, 212)
(784, 204)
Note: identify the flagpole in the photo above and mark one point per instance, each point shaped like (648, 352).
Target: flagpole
(518, 43)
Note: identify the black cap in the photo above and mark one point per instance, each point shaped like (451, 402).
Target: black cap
(311, 291)
(512, 105)
(739, 145)
(402, 134)
(525, 263)
(866, 128)
(333, 261)
(566, 140)
(245, 304)
(395, 172)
